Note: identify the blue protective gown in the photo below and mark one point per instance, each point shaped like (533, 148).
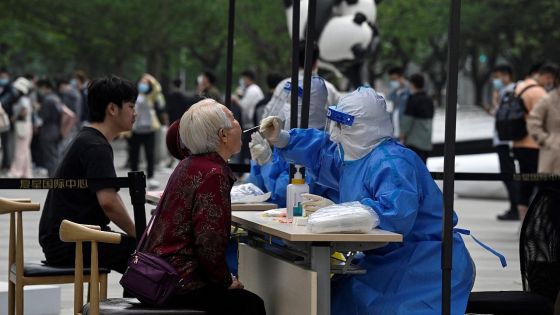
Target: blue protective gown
(274, 177)
(401, 278)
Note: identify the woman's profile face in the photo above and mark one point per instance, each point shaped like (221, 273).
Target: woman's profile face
(233, 144)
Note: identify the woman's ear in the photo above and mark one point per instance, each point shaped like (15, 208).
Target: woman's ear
(222, 134)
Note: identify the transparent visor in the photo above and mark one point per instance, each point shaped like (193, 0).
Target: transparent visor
(336, 122)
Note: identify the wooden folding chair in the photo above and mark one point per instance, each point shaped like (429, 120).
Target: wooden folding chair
(35, 273)
(78, 233)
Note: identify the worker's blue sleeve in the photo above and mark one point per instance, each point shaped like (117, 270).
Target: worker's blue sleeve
(272, 177)
(393, 187)
(313, 149)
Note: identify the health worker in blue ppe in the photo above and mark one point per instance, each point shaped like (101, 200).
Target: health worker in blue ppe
(270, 172)
(358, 157)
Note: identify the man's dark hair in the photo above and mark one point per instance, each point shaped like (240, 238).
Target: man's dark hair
(396, 71)
(29, 76)
(61, 81)
(210, 76)
(302, 54)
(272, 80)
(45, 83)
(4, 70)
(248, 74)
(506, 69)
(177, 82)
(107, 90)
(417, 80)
(549, 69)
(535, 68)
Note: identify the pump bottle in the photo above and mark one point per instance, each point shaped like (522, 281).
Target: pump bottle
(294, 191)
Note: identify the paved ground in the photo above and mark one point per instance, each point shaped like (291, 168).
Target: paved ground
(478, 215)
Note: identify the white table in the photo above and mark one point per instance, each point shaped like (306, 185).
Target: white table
(319, 246)
(153, 197)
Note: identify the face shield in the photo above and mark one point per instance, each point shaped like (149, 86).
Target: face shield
(358, 123)
(317, 102)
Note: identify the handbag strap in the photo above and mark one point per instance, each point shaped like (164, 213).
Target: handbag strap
(158, 210)
(141, 242)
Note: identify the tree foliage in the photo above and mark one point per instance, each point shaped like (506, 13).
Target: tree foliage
(130, 37)
(167, 37)
(519, 32)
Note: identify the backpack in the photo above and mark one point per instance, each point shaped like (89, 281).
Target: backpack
(510, 116)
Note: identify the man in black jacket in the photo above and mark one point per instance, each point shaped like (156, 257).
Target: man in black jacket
(416, 127)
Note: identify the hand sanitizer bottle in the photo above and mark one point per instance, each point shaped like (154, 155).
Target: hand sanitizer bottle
(294, 191)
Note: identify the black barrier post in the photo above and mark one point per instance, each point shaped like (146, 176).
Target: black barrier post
(295, 66)
(294, 108)
(137, 189)
(449, 154)
(309, 44)
(229, 63)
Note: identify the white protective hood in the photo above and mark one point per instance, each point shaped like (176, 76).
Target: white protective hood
(317, 103)
(372, 123)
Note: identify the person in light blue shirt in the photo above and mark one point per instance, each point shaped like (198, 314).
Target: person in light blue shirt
(359, 157)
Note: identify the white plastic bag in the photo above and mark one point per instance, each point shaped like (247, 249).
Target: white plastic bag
(349, 217)
(248, 193)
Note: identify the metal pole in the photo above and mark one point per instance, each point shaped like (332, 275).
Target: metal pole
(309, 43)
(137, 190)
(449, 154)
(229, 65)
(294, 108)
(295, 65)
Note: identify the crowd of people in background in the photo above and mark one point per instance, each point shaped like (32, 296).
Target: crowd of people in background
(45, 114)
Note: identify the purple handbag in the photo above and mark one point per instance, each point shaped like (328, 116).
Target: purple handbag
(150, 279)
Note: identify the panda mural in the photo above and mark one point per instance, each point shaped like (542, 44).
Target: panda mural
(346, 34)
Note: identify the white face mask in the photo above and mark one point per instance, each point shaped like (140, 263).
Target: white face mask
(335, 131)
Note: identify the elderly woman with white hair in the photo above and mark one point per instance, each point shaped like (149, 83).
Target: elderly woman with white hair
(192, 226)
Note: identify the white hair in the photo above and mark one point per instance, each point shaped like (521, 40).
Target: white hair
(199, 126)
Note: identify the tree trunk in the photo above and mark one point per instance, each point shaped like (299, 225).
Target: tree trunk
(154, 63)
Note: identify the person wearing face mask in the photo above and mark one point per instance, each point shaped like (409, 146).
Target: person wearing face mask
(503, 84)
(21, 166)
(417, 121)
(400, 92)
(145, 126)
(49, 135)
(548, 75)
(8, 97)
(359, 157)
(248, 95)
(543, 124)
(526, 150)
(271, 172)
(206, 86)
(277, 105)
